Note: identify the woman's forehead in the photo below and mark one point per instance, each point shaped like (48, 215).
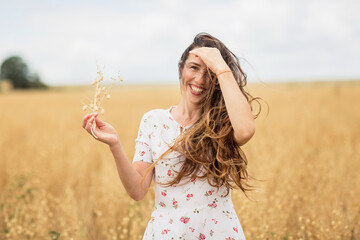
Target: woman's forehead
(192, 59)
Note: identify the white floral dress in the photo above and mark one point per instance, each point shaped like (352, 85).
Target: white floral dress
(192, 209)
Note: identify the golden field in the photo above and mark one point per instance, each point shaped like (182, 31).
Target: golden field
(56, 182)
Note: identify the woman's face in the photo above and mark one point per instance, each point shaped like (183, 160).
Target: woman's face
(194, 79)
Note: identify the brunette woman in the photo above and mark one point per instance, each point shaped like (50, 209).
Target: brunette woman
(192, 151)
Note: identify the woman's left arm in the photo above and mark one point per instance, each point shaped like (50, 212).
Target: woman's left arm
(237, 106)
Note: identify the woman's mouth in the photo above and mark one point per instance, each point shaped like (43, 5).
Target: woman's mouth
(196, 90)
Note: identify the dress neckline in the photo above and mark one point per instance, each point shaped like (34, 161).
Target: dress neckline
(173, 119)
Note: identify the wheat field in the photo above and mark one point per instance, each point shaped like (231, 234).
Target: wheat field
(56, 182)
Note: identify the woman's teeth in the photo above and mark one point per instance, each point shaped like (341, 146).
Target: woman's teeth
(197, 90)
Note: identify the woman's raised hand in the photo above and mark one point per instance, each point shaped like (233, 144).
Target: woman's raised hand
(212, 59)
(103, 131)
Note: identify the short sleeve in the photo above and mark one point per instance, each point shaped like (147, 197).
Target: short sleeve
(143, 152)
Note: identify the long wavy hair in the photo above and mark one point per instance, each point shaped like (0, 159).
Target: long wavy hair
(209, 144)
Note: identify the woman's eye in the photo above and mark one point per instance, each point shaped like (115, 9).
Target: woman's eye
(193, 67)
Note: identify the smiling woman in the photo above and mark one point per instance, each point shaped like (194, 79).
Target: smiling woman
(195, 77)
(192, 150)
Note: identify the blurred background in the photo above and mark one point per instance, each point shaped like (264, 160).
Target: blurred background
(301, 57)
(63, 41)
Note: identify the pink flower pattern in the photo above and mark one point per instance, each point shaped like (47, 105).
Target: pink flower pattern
(190, 195)
(184, 219)
(214, 205)
(205, 211)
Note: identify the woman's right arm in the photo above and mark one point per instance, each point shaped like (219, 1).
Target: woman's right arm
(130, 174)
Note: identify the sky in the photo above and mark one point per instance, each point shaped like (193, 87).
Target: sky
(142, 41)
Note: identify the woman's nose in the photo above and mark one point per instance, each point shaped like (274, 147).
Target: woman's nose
(199, 80)
(201, 77)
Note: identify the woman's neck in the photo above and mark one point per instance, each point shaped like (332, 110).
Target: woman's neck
(186, 114)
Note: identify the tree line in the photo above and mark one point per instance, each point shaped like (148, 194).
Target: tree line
(17, 72)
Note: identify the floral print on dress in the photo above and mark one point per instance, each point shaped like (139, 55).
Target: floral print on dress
(184, 219)
(190, 209)
(174, 203)
(189, 196)
(165, 231)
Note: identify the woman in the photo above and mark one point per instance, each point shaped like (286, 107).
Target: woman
(192, 150)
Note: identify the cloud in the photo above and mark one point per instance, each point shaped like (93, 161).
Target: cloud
(62, 41)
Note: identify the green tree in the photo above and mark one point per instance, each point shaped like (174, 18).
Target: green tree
(16, 70)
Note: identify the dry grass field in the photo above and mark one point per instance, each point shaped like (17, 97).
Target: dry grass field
(56, 182)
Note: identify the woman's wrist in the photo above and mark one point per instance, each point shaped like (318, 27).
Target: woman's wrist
(115, 145)
(223, 71)
(222, 68)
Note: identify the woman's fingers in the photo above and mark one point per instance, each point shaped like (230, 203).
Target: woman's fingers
(202, 50)
(194, 53)
(208, 55)
(88, 120)
(99, 123)
(99, 129)
(211, 57)
(89, 124)
(84, 120)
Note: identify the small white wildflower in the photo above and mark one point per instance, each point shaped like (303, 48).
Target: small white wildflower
(101, 92)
